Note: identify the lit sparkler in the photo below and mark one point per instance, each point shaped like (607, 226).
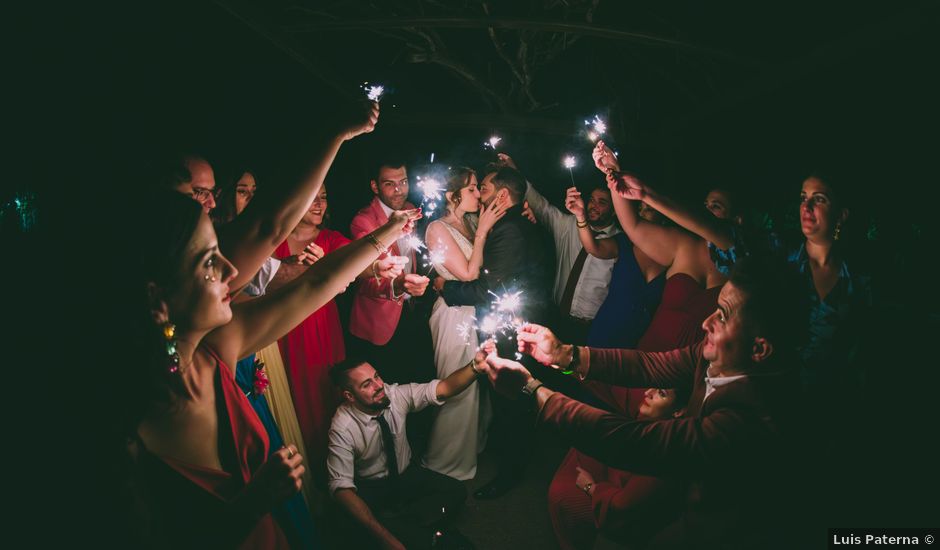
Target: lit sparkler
(570, 162)
(373, 91)
(598, 128)
(492, 142)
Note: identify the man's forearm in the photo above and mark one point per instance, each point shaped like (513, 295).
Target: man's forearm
(457, 382)
(361, 512)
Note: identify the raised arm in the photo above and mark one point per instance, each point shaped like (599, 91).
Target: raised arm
(257, 323)
(604, 249)
(658, 242)
(268, 219)
(703, 225)
(460, 379)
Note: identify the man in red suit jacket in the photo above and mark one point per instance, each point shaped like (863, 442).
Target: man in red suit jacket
(735, 445)
(389, 330)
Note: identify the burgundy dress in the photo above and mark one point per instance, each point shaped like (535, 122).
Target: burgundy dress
(191, 501)
(309, 350)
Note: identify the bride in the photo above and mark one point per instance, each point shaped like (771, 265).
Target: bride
(458, 432)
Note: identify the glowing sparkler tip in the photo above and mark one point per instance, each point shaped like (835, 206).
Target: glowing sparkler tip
(570, 162)
(492, 142)
(373, 91)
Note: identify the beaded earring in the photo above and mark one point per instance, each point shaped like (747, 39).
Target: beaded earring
(173, 356)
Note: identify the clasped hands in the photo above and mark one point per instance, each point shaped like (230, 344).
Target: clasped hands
(508, 376)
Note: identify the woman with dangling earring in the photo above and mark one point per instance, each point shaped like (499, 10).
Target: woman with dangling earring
(457, 432)
(839, 297)
(202, 473)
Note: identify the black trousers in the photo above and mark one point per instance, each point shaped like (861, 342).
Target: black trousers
(424, 502)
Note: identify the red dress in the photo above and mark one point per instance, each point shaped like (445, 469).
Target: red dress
(191, 501)
(309, 350)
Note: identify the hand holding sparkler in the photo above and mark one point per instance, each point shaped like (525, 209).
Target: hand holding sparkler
(505, 160)
(604, 158)
(542, 345)
(389, 267)
(626, 186)
(508, 377)
(365, 126)
(415, 284)
(405, 219)
(574, 203)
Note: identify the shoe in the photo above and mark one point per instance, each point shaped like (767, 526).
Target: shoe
(496, 488)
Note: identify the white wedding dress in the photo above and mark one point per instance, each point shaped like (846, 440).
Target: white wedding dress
(459, 431)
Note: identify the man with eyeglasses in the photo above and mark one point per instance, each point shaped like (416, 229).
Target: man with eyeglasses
(201, 184)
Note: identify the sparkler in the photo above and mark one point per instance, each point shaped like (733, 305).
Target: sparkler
(570, 162)
(492, 142)
(373, 91)
(432, 191)
(598, 128)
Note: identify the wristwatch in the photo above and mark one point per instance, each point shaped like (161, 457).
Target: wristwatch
(587, 488)
(532, 386)
(575, 359)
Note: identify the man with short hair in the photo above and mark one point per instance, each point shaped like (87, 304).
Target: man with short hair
(513, 261)
(371, 472)
(390, 326)
(735, 443)
(581, 280)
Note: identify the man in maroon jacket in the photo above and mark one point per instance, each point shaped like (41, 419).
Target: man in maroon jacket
(735, 445)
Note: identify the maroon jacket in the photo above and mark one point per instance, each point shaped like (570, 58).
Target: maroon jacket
(734, 448)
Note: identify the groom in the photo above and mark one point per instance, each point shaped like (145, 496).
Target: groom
(513, 261)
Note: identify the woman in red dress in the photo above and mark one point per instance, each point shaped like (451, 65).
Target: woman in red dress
(313, 346)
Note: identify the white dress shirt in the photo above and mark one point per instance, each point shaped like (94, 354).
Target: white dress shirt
(594, 283)
(355, 447)
(714, 382)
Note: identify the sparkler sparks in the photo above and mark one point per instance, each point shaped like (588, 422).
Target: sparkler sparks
(415, 243)
(570, 162)
(492, 142)
(373, 91)
(598, 128)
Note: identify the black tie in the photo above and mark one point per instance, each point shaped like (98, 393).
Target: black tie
(388, 443)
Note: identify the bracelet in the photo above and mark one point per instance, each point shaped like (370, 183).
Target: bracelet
(581, 225)
(374, 273)
(376, 243)
(473, 367)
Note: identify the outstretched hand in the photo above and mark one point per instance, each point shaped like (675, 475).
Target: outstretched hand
(505, 160)
(365, 124)
(626, 186)
(527, 212)
(390, 266)
(405, 219)
(508, 377)
(540, 343)
(604, 158)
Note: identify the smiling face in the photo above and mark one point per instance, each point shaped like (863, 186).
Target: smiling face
(599, 209)
(392, 186)
(365, 389)
(728, 344)
(317, 211)
(818, 215)
(200, 299)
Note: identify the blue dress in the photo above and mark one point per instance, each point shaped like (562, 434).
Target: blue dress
(631, 302)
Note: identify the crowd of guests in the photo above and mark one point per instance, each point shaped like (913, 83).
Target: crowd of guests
(668, 346)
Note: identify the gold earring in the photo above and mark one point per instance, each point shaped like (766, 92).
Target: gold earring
(210, 278)
(835, 235)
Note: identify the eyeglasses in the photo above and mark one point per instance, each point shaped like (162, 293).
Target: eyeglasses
(202, 193)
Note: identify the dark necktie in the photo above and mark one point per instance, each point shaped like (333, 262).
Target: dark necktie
(573, 277)
(388, 444)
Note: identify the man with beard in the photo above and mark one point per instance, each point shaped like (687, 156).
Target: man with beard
(391, 500)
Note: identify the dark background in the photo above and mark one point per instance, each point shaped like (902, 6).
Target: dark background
(769, 92)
